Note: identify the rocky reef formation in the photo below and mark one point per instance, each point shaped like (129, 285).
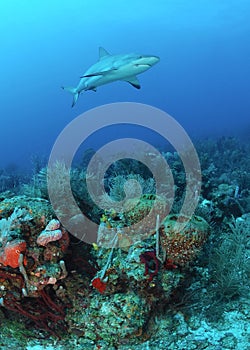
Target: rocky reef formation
(32, 250)
(100, 292)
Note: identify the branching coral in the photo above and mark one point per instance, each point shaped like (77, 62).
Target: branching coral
(44, 312)
(229, 261)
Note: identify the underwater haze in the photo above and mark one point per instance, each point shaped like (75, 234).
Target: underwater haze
(124, 174)
(202, 79)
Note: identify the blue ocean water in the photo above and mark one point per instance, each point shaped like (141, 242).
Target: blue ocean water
(202, 79)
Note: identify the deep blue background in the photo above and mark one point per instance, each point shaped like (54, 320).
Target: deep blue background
(202, 79)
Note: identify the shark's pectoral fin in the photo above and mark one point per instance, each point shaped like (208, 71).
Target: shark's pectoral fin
(133, 81)
(96, 74)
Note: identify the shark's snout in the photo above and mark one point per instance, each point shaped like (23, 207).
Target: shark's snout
(147, 61)
(153, 60)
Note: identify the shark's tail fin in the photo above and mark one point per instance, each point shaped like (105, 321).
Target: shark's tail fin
(74, 92)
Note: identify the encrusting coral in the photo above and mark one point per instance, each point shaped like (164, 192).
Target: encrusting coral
(144, 273)
(9, 255)
(28, 263)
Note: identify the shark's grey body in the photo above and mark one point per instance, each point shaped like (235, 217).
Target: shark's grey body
(111, 68)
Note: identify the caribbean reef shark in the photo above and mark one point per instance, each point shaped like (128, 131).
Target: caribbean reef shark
(111, 68)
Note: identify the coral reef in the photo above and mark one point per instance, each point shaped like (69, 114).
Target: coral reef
(128, 281)
(111, 318)
(149, 281)
(27, 263)
(132, 281)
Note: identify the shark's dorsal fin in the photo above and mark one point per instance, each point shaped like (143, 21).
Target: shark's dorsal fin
(103, 53)
(133, 81)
